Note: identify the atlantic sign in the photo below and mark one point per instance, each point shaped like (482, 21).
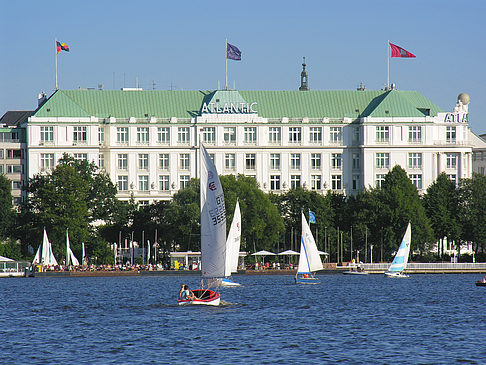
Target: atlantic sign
(456, 118)
(229, 108)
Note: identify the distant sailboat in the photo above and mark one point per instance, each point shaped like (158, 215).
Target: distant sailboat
(213, 235)
(70, 258)
(233, 248)
(400, 261)
(309, 259)
(45, 256)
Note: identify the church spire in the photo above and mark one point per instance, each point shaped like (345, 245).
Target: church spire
(303, 79)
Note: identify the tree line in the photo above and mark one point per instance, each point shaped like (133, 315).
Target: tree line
(78, 196)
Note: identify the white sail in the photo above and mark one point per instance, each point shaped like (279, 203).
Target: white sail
(37, 258)
(83, 253)
(70, 258)
(309, 260)
(401, 258)
(233, 243)
(213, 220)
(47, 258)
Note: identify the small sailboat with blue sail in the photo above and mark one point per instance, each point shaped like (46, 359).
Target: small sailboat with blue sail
(233, 248)
(399, 264)
(309, 259)
(213, 235)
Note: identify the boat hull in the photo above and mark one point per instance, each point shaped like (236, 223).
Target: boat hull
(355, 273)
(228, 282)
(389, 274)
(480, 283)
(203, 297)
(304, 280)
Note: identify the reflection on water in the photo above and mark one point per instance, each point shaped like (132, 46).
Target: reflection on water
(348, 319)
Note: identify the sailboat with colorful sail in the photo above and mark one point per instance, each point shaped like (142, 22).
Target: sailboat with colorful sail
(309, 259)
(399, 264)
(233, 248)
(213, 235)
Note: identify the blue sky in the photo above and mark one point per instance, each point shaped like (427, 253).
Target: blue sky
(180, 45)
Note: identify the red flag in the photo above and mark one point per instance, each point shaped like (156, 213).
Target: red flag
(400, 52)
(61, 47)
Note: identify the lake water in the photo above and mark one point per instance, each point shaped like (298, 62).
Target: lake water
(426, 319)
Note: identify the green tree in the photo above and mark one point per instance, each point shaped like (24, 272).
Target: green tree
(7, 214)
(74, 195)
(441, 206)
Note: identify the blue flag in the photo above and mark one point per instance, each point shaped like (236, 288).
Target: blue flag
(312, 217)
(232, 52)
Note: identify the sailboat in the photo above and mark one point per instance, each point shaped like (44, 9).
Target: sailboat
(45, 256)
(70, 258)
(400, 261)
(213, 235)
(233, 248)
(309, 259)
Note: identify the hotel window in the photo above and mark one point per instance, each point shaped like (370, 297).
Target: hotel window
(143, 183)
(122, 161)
(450, 134)
(274, 182)
(229, 161)
(380, 179)
(81, 156)
(184, 162)
(382, 160)
(184, 181)
(250, 134)
(356, 163)
(453, 178)
(315, 161)
(415, 160)
(295, 161)
(164, 182)
(316, 182)
(12, 154)
(295, 135)
(14, 169)
(143, 161)
(122, 135)
(16, 184)
(101, 161)
(356, 136)
(101, 135)
(336, 135)
(47, 134)
(163, 135)
(275, 161)
(355, 182)
(2, 169)
(416, 180)
(80, 134)
(229, 135)
(163, 161)
(336, 161)
(1, 153)
(47, 161)
(183, 135)
(383, 134)
(336, 182)
(451, 160)
(122, 183)
(274, 134)
(142, 135)
(294, 181)
(250, 161)
(209, 134)
(315, 134)
(415, 134)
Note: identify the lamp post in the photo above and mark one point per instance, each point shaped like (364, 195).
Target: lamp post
(371, 253)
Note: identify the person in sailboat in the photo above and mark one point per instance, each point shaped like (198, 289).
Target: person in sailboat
(185, 293)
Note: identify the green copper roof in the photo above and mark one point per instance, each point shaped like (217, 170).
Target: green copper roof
(270, 104)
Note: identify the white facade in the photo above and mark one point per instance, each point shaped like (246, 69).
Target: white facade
(153, 158)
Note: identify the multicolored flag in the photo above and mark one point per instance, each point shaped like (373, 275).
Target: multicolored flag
(232, 52)
(400, 52)
(61, 47)
(312, 217)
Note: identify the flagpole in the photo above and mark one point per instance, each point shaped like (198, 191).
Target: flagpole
(55, 41)
(387, 65)
(226, 62)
